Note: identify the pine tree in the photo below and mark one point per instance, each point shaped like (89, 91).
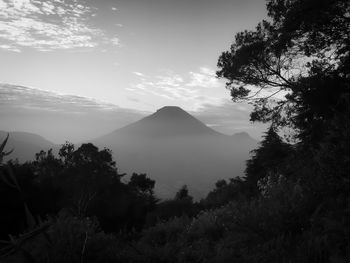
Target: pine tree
(268, 160)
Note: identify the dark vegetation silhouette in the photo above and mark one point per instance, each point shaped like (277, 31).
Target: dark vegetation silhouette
(292, 205)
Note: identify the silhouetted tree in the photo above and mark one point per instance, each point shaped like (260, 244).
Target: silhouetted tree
(183, 194)
(141, 183)
(270, 159)
(181, 204)
(234, 190)
(83, 182)
(303, 54)
(220, 184)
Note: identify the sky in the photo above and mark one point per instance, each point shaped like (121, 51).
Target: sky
(135, 56)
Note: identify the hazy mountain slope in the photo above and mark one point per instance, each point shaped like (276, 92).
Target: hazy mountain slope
(174, 148)
(25, 145)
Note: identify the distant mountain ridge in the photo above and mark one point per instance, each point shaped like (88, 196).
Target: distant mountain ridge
(25, 145)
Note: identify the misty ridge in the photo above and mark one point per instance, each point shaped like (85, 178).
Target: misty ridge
(167, 187)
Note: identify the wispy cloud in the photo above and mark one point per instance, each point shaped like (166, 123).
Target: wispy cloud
(10, 48)
(198, 92)
(205, 78)
(24, 97)
(56, 116)
(175, 87)
(139, 74)
(48, 25)
(115, 42)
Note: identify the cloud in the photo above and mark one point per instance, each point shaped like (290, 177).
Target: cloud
(205, 78)
(199, 93)
(48, 25)
(169, 85)
(116, 42)
(139, 74)
(114, 9)
(181, 88)
(10, 48)
(24, 97)
(60, 117)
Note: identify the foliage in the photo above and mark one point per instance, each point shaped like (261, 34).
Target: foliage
(270, 159)
(224, 192)
(229, 232)
(85, 181)
(302, 53)
(70, 239)
(181, 205)
(142, 184)
(9, 184)
(2, 147)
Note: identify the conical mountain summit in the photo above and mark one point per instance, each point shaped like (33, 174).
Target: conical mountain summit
(167, 121)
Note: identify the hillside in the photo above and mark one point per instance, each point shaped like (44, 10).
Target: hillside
(25, 145)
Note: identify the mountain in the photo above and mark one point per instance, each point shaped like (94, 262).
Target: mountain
(171, 146)
(169, 121)
(174, 148)
(25, 145)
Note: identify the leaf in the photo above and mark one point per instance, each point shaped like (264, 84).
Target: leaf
(8, 153)
(4, 143)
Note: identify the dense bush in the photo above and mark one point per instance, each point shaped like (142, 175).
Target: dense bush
(84, 181)
(69, 239)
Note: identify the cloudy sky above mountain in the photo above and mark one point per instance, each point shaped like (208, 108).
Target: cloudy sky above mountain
(60, 117)
(136, 54)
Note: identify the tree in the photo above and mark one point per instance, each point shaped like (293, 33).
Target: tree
(225, 192)
(90, 185)
(14, 205)
(295, 70)
(142, 184)
(302, 54)
(221, 184)
(183, 194)
(66, 153)
(182, 204)
(269, 160)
